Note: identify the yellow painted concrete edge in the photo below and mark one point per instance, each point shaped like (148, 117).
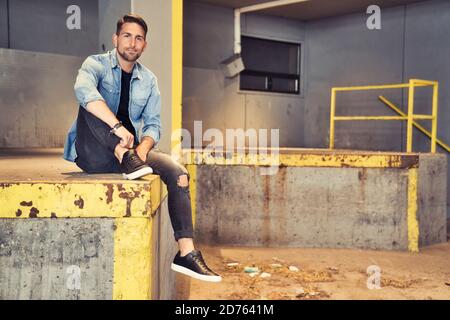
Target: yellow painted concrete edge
(81, 200)
(413, 224)
(304, 160)
(177, 74)
(132, 259)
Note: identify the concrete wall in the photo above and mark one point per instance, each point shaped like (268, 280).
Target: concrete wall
(38, 111)
(427, 56)
(318, 206)
(37, 101)
(303, 207)
(41, 26)
(215, 100)
(36, 255)
(338, 51)
(158, 57)
(343, 52)
(109, 11)
(3, 24)
(37, 75)
(432, 199)
(164, 250)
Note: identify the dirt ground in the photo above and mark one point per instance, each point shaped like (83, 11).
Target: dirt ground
(322, 274)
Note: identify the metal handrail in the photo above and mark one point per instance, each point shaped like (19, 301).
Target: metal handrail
(409, 117)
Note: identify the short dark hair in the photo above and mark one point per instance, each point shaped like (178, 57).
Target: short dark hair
(131, 17)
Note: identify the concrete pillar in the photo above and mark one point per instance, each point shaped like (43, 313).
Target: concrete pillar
(164, 57)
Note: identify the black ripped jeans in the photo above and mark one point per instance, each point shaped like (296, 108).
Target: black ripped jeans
(95, 150)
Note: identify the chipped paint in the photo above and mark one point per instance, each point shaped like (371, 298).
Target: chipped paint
(313, 159)
(130, 196)
(34, 212)
(109, 193)
(79, 203)
(81, 200)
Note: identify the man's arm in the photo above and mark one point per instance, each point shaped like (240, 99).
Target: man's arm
(89, 98)
(100, 110)
(151, 130)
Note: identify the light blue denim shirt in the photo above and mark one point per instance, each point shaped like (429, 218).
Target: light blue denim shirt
(99, 78)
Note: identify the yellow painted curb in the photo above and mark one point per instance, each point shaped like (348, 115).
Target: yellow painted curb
(336, 160)
(413, 224)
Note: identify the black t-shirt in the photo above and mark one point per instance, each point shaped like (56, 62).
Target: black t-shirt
(123, 114)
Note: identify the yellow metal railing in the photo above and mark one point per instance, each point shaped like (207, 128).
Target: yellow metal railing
(409, 117)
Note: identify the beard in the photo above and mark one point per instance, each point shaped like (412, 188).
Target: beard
(130, 57)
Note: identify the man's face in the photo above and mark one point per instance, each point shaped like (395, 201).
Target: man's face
(130, 42)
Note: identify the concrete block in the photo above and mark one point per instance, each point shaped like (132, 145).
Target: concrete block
(338, 201)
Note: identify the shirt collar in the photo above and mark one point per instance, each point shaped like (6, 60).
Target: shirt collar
(115, 64)
(113, 58)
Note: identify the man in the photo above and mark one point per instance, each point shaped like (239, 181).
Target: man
(118, 97)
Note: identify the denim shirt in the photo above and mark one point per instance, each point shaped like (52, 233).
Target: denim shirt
(99, 78)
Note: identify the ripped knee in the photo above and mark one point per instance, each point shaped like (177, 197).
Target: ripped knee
(183, 180)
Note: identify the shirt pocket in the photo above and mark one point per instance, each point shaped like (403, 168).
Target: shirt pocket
(109, 92)
(137, 106)
(108, 87)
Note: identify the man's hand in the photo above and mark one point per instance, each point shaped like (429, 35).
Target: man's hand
(126, 138)
(144, 147)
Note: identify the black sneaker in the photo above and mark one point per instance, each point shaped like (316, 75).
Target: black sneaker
(194, 266)
(133, 167)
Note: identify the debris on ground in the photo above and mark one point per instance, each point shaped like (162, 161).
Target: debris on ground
(281, 274)
(333, 269)
(312, 294)
(293, 268)
(232, 264)
(251, 269)
(323, 273)
(402, 284)
(276, 265)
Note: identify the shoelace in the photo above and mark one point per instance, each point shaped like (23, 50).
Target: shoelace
(199, 260)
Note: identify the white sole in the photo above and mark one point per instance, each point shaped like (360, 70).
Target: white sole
(137, 174)
(194, 275)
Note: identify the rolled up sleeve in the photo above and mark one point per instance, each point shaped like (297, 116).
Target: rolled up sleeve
(87, 82)
(151, 115)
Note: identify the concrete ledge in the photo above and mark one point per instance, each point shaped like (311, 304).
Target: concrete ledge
(290, 157)
(322, 198)
(115, 232)
(80, 199)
